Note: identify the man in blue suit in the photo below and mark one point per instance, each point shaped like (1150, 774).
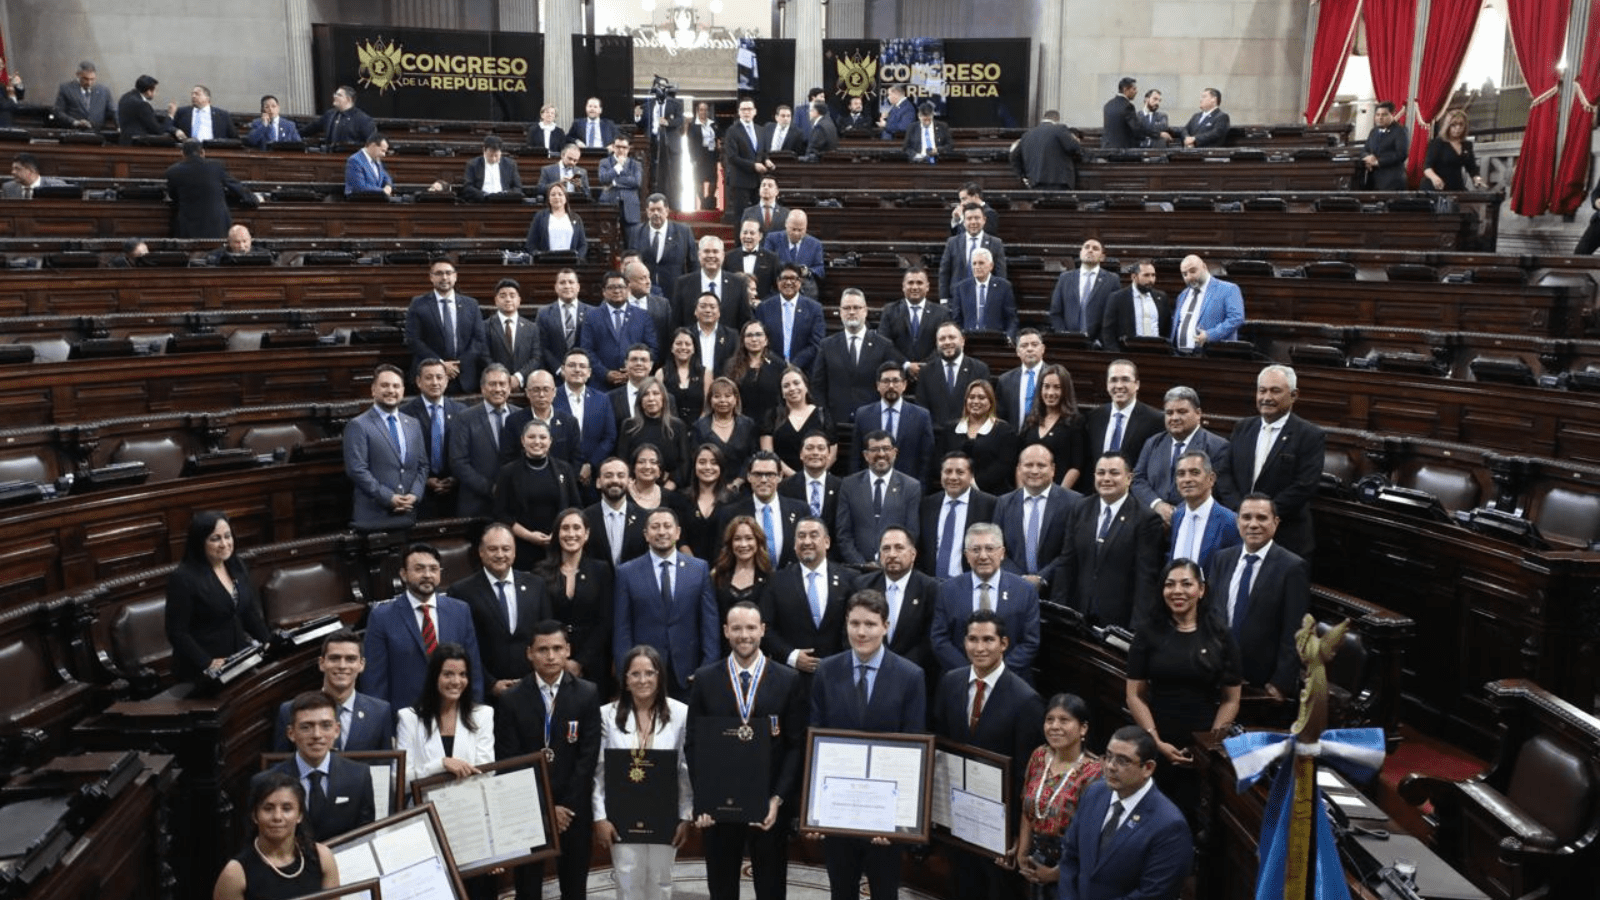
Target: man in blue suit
(872, 500)
(1208, 310)
(986, 587)
(338, 790)
(1127, 839)
(985, 302)
(793, 246)
(271, 128)
(365, 723)
(611, 328)
(590, 411)
(364, 171)
(1079, 300)
(437, 414)
(1155, 483)
(404, 630)
(620, 176)
(665, 599)
(442, 324)
(385, 458)
(793, 321)
(593, 130)
(909, 424)
(478, 437)
(1036, 516)
(867, 688)
(1200, 525)
(899, 117)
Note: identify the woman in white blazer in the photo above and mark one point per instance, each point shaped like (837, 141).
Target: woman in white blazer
(643, 718)
(445, 731)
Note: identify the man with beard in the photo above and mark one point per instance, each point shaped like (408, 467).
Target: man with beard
(845, 371)
(942, 389)
(909, 424)
(403, 631)
(385, 459)
(804, 603)
(1138, 310)
(874, 499)
(1155, 121)
(1208, 310)
(665, 599)
(616, 522)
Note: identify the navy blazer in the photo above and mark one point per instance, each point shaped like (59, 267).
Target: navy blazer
(553, 336)
(1148, 856)
(740, 155)
(359, 175)
(579, 132)
(221, 122)
(980, 508)
(686, 632)
(348, 803)
(523, 358)
(261, 138)
(1291, 475)
(504, 651)
(999, 308)
(786, 609)
(396, 661)
(608, 348)
(805, 340)
(898, 703)
(796, 487)
(378, 472)
(956, 264)
(859, 529)
(1391, 146)
(426, 337)
(371, 726)
(1111, 581)
(895, 324)
(1010, 515)
(1280, 595)
(1017, 605)
(913, 437)
(599, 428)
(1208, 131)
(621, 187)
(416, 406)
(551, 174)
(899, 118)
(808, 254)
(942, 143)
(842, 385)
(678, 253)
(477, 167)
(1222, 531)
(1143, 423)
(1152, 474)
(911, 634)
(1069, 313)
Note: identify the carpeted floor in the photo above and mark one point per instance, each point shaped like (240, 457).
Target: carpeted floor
(1419, 753)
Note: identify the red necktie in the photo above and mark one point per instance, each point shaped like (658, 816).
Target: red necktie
(430, 637)
(977, 705)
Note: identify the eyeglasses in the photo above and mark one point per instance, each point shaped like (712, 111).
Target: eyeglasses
(1119, 760)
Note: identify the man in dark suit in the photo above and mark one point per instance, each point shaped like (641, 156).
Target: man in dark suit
(709, 277)
(986, 705)
(956, 264)
(560, 320)
(553, 712)
(625, 397)
(868, 688)
(747, 688)
(814, 485)
(404, 630)
(793, 321)
(441, 324)
(620, 176)
(437, 414)
(270, 128)
(912, 322)
(1122, 425)
(824, 135)
(338, 791)
(751, 261)
(1386, 149)
(203, 122)
(1265, 591)
(804, 603)
(597, 430)
(1278, 454)
(714, 342)
(781, 135)
(1126, 839)
(344, 123)
(616, 523)
(945, 515)
(854, 121)
(491, 172)
(1078, 302)
(644, 294)
(665, 599)
(987, 586)
(666, 248)
(927, 140)
(365, 723)
(662, 118)
(565, 440)
(593, 130)
(1200, 525)
(1112, 554)
(567, 171)
(82, 104)
(480, 441)
(1017, 387)
(199, 189)
(777, 515)
(844, 375)
(1155, 483)
(744, 159)
(1209, 126)
(911, 595)
(137, 112)
(874, 499)
(1138, 310)
(1154, 120)
(506, 604)
(899, 117)
(1036, 515)
(767, 212)
(909, 424)
(1121, 125)
(510, 339)
(793, 246)
(984, 302)
(942, 389)
(385, 459)
(611, 329)
(972, 192)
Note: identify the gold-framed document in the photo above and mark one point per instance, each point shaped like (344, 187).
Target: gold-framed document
(868, 784)
(971, 798)
(504, 817)
(407, 854)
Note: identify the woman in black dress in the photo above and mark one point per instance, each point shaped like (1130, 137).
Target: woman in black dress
(281, 861)
(743, 567)
(991, 443)
(728, 429)
(786, 426)
(529, 492)
(757, 371)
(684, 378)
(655, 424)
(1183, 677)
(644, 483)
(579, 589)
(1450, 160)
(1056, 423)
(212, 610)
(705, 494)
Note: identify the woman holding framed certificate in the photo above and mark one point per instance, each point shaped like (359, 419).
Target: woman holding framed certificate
(634, 771)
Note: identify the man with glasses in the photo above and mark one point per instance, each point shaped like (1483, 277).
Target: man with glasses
(365, 723)
(842, 378)
(874, 499)
(442, 324)
(744, 160)
(613, 327)
(985, 586)
(793, 320)
(338, 791)
(909, 424)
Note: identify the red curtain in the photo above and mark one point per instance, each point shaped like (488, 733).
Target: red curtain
(1538, 31)
(1573, 175)
(1391, 26)
(1450, 26)
(1336, 35)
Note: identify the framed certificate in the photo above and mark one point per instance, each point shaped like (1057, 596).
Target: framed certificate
(971, 798)
(642, 794)
(867, 784)
(733, 780)
(370, 889)
(388, 776)
(504, 817)
(406, 853)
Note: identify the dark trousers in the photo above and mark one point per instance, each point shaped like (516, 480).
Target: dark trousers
(572, 866)
(847, 859)
(725, 845)
(1591, 238)
(978, 876)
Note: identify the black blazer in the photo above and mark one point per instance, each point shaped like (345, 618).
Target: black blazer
(980, 508)
(552, 147)
(780, 706)
(895, 324)
(789, 509)
(1121, 321)
(795, 488)
(912, 635)
(936, 395)
(732, 295)
(522, 359)
(348, 804)
(633, 541)
(1290, 476)
(204, 623)
(1113, 582)
(587, 615)
(787, 612)
(574, 735)
(504, 652)
(765, 273)
(199, 189)
(1144, 423)
(1011, 722)
(1280, 595)
(841, 386)
(472, 179)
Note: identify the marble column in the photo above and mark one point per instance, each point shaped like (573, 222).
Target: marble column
(847, 18)
(299, 88)
(426, 14)
(563, 18)
(1048, 71)
(804, 24)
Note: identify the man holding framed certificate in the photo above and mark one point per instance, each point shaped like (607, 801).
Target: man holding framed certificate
(747, 715)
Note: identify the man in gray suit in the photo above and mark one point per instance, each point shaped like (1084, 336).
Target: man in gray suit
(620, 175)
(477, 442)
(385, 458)
(25, 177)
(873, 499)
(1081, 294)
(1154, 484)
(82, 104)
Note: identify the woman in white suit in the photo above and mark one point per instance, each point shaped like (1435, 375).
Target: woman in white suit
(643, 718)
(445, 731)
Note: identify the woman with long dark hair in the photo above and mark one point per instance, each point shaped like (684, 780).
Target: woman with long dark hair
(742, 568)
(757, 371)
(212, 610)
(786, 426)
(654, 423)
(445, 731)
(1057, 773)
(555, 227)
(685, 379)
(989, 441)
(728, 428)
(1056, 423)
(281, 861)
(705, 493)
(579, 588)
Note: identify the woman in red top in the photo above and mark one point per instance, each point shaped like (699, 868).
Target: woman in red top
(1057, 774)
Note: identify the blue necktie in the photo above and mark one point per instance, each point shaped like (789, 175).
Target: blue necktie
(983, 295)
(889, 421)
(394, 432)
(772, 537)
(916, 321)
(816, 498)
(1241, 597)
(1116, 435)
(1027, 405)
(788, 329)
(947, 540)
(436, 458)
(1032, 534)
(814, 599)
(1105, 525)
(1177, 452)
(666, 582)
